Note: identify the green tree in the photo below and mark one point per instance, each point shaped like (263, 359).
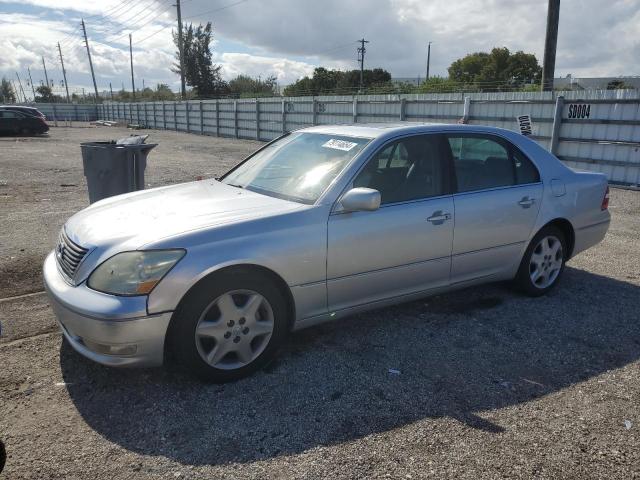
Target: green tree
(44, 94)
(437, 84)
(6, 91)
(617, 85)
(498, 70)
(245, 86)
(163, 92)
(327, 82)
(199, 70)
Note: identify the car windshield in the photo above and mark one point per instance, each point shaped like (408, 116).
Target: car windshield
(297, 167)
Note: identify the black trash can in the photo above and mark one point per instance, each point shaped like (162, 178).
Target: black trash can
(112, 169)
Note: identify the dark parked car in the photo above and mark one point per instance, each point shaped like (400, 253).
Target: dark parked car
(34, 112)
(21, 123)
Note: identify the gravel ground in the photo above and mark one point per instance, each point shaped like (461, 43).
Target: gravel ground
(490, 384)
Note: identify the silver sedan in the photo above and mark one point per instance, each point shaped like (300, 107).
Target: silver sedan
(316, 225)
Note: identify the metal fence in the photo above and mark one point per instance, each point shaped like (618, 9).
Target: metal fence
(62, 112)
(597, 131)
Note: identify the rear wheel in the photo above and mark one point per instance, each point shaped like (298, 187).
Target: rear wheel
(229, 325)
(543, 262)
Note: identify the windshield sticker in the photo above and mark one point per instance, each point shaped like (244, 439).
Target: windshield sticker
(339, 144)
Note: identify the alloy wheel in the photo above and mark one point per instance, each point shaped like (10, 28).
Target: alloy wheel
(546, 262)
(234, 329)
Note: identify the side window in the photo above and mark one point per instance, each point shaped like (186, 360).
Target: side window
(409, 169)
(481, 163)
(400, 157)
(384, 157)
(526, 172)
(10, 114)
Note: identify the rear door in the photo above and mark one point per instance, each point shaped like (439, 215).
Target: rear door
(12, 121)
(405, 245)
(497, 200)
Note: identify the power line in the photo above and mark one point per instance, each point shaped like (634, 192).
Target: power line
(115, 18)
(104, 16)
(130, 14)
(216, 9)
(70, 37)
(138, 26)
(119, 6)
(333, 49)
(192, 17)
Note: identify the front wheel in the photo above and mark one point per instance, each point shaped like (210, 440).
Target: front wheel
(543, 262)
(229, 326)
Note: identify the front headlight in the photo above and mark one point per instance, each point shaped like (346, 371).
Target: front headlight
(133, 273)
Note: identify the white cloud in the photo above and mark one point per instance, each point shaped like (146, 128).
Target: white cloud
(287, 38)
(286, 71)
(596, 37)
(81, 6)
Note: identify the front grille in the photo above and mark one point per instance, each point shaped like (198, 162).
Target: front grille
(69, 255)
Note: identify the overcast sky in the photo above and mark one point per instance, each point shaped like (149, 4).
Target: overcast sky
(288, 38)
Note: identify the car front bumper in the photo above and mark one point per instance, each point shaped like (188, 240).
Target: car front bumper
(108, 329)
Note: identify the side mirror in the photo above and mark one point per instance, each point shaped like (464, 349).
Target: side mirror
(361, 199)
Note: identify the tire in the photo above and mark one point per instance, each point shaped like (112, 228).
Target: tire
(26, 132)
(543, 262)
(229, 325)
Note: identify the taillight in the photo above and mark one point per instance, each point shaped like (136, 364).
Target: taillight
(605, 200)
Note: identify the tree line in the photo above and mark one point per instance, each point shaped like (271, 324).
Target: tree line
(494, 71)
(497, 70)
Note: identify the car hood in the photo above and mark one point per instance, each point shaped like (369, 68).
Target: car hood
(140, 218)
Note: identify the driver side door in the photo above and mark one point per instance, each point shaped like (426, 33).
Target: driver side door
(404, 247)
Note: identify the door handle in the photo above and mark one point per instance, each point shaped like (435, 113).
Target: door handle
(439, 217)
(526, 202)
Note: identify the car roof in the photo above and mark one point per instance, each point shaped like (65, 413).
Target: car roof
(376, 130)
(18, 107)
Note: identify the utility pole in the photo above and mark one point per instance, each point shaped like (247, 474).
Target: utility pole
(361, 52)
(133, 82)
(33, 89)
(21, 89)
(93, 75)
(550, 44)
(46, 77)
(64, 73)
(183, 89)
(111, 90)
(16, 92)
(428, 60)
